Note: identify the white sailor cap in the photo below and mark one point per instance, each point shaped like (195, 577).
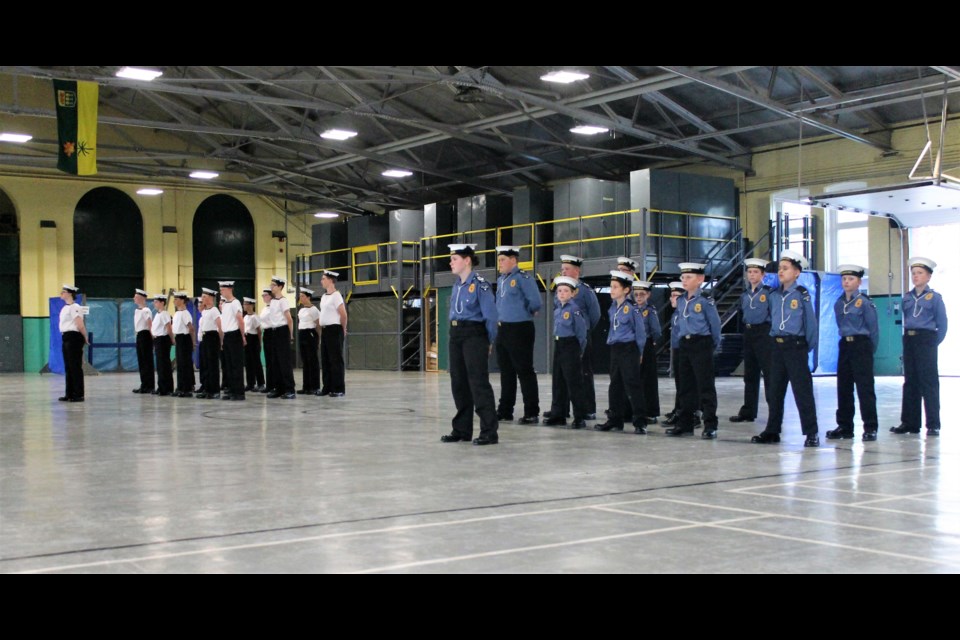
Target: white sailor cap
(567, 280)
(574, 260)
(308, 292)
(267, 292)
(508, 250)
(851, 270)
(628, 262)
(760, 263)
(795, 258)
(620, 276)
(676, 286)
(692, 267)
(183, 295)
(926, 263)
(280, 280)
(331, 274)
(225, 283)
(247, 300)
(209, 292)
(642, 284)
(140, 292)
(71, 289)
(462, 249)
(162, 297)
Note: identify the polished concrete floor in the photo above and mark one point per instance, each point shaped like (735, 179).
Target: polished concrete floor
(129, 484)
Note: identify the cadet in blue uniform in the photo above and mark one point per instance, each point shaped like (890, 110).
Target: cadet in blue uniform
(755, 315)
(642, 292)
(793, 325)
(924, 328)
(627, 338)
(569, 339)
(518, 301)
(698, 331)
(859, 338)
(676, 290)
(586, 299)
(73, 333)
(473, 332)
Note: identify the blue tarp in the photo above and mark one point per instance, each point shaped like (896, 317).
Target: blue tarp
(824, 289)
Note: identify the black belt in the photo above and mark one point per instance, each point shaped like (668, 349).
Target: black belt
(691, 336)
(211, 331)
(855, 338)
(920, 332)
(503, 322)
(758, 326)
(792, 340)
(559, 338)
(465, 323)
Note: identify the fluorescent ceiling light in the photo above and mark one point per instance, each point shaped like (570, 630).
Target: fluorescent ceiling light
(137, 73)
(564, 77)
(204, 175)
(326, 214)
(337, 134)
(149, 192)
(588, 130)
(14, 137)
(396, 173)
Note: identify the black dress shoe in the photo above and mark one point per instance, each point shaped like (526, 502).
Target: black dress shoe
(709, 434)
(288, 396)
(226, 396)
(869, 436)
(484, 440)
(554, 422)
(608, 412)
(609, 425)
(76, 399)
(740, 419)
(933, 431)
(165, 393)
(63, 399)
(579, 424)
(639, 430)
(903, 429)
(677, 431)
(650, 420)
(503, 416)
(322, 392)
(839, 434)
(200, 394)
(303, 391)
(336, 394)
(529, 420)
(454, 437)
(262, 389)
(215, 396)
(671, 420)
(152, 392)
(273, 394)
(590, 416)
(249, 387)
(812, 441)
(765, 438)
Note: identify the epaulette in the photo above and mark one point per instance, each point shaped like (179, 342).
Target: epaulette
(480, 277)
(705, 294)
(803, 292)
(584, 285)
(524, 273)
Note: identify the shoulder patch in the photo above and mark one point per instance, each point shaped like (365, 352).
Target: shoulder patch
(484, 285)
(711, 302)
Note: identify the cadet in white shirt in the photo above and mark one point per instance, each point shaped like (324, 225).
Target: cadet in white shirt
(210, 345)
(142, 321)
(267, 339)
(73, 332)
(308, 321)
(251, 352)
(162, 333)
(234, 341)
(281, 323)
(333, 328)
(184, 335)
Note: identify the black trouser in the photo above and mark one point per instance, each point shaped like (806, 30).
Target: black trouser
(589, 392)
(210, 362)
(72, 349)
(233, 362)
(756, 363)
(161, 347)
(515, 341)
(268, 359)
(331, 359)
(695, 381)
(470, 379)
(855, 367)
(649, 380)
(788, 363)
(185, 380)
(251, 361)
(568, 378)
(921, 379)
(625, 383)
(282, 361)
(309, 343)
(675, 368)
(145, 359)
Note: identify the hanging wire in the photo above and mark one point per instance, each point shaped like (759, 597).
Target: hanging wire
(926, 123)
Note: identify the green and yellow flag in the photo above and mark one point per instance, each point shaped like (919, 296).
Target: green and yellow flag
(76, 126)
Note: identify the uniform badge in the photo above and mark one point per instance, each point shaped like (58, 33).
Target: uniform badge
(566, 315)
(929, 296)
(794, 304)
(763, 298)
(626, 309)
(645, 312)
(698, 307)
(472, 288)
(858, 303)
(513, 283)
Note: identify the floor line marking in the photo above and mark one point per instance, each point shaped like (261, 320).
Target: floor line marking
(842, 504)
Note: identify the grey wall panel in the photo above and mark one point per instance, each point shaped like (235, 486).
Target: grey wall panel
(439, 218)
(11, 344)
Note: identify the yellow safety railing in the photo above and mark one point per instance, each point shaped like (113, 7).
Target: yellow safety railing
(353, 262)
